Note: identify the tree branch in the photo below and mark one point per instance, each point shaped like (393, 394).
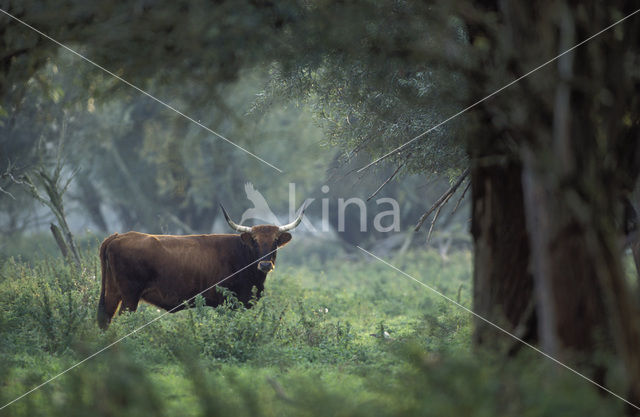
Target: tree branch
(386, 181)
(443, 199)
(53, 201)
(7, 174)
(435, 216)
(3, 191)
(466, 188)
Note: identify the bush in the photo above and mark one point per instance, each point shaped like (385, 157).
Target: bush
(338, 338)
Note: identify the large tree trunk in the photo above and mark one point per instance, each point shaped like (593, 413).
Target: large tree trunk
(571, 133)
(502, 284)
(503, 287)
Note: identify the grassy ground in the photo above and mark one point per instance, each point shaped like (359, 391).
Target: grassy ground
(331, 337)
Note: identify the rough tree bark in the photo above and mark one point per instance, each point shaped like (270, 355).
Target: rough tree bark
(572, 130)
(502, 285)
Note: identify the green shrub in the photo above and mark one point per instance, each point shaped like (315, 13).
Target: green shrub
(327, 338)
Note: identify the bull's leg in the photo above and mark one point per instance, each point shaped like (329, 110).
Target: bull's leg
(108, 309)
(130, 302)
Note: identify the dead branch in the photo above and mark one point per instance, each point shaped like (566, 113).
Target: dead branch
(435, 216)
(386, 181)
(53, 200)
(461, 198)
(9, 175)
(3, 191)
(442, 200)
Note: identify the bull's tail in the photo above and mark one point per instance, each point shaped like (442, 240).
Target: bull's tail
(103, 317)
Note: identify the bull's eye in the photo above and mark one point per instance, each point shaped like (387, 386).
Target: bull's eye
(248, 239)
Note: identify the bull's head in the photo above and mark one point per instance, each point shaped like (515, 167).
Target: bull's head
(265, 239)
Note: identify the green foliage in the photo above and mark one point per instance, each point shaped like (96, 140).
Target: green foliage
(145, 168)
(51, 303)
(339, 338)
(380, 74)
(154, 169)
(368, 87)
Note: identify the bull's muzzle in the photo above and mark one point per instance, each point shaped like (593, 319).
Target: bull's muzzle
(265, 266)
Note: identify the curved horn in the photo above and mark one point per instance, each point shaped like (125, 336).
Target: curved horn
(234, 226)
(296, 222)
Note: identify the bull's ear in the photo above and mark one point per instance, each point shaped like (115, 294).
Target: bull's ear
(283, 239)
(247, 238)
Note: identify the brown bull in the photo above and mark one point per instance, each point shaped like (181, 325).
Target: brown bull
(166, 270)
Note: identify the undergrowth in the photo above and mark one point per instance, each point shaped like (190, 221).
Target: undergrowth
(327, 338)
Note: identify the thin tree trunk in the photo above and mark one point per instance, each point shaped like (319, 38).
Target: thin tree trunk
(91, 201)
(59, 241)
(536, 204)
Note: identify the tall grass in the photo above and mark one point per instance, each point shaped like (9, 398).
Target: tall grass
(328, 338)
